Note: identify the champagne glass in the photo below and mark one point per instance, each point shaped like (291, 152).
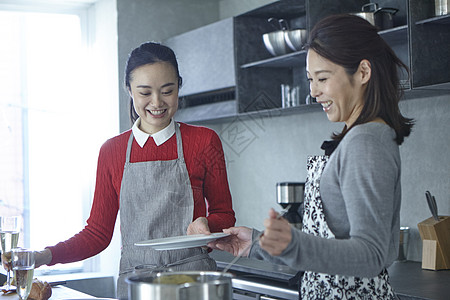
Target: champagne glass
(9, 236)
(23, 267)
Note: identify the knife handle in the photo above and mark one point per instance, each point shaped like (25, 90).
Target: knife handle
(432, 205)
(433, 202)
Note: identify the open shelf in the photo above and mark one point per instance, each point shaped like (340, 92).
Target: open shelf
(445, 20)
(396, 35)
(392, 36)
(282, 61)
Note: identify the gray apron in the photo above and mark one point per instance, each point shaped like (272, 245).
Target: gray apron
(325, 286)
(156, 201)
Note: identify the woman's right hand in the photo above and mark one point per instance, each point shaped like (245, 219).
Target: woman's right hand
(43, 257)
(237, 243)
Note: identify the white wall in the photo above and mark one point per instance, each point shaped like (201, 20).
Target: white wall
(230, 8)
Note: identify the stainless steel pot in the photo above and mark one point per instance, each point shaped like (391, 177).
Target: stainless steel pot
(184, 285)
(290, 192)
(383, 18)
(441, 7)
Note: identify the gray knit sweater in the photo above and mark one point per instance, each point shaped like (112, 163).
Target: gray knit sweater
(361, 193)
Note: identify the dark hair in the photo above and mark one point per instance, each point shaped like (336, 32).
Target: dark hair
(346, 40)
(148, 53)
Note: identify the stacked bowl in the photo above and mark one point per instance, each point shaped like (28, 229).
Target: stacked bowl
(284, 41)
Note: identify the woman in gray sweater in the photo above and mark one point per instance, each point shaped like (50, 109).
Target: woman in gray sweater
(351, 218)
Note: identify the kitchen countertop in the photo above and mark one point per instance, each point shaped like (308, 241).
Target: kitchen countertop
(408, 278)
(410, 281)
(58, 292)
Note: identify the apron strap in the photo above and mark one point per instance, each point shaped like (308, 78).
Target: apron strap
(179, 142)
(130, 141)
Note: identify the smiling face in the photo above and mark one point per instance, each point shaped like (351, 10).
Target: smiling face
(340, 94)
(154, 90)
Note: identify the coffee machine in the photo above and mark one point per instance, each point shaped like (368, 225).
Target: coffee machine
(290, 196)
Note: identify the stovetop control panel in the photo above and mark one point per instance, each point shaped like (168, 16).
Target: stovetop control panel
(259, 288)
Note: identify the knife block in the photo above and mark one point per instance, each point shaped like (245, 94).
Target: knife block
(435, 237)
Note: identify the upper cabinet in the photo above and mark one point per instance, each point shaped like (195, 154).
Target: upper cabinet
(260, 74)
(236, 75)
(206, 56)
(429, 43)
(207, 65)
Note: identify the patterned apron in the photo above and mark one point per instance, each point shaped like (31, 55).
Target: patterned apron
(324, 286)
(156, 201)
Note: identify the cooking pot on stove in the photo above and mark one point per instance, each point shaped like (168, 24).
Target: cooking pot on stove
(383, 18)
(183, 285)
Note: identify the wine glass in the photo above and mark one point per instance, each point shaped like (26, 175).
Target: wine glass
(9, 236)
(23, 267)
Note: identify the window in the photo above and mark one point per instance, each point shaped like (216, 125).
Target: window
(56, 109)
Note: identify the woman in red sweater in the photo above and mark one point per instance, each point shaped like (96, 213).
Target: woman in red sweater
(168, 178)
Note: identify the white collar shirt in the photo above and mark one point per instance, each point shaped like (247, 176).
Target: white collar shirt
(159, 137)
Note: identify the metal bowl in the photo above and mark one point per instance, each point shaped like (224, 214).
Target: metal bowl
(295, 38)
(275, 43)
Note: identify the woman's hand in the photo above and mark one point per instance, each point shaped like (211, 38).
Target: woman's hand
(238, 243)
(199, 226)
(277, 234)
(43, 257)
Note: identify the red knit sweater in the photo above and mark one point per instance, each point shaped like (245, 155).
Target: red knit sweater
(205, 163)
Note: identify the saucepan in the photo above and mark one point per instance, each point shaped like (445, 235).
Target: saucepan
(383, 17)
(182, 285)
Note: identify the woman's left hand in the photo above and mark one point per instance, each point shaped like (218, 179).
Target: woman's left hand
(277, 234)
(199, 226)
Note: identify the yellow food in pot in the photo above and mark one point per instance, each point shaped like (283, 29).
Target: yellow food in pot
(174, 279)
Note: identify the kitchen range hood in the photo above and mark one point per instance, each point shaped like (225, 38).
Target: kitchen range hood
(207, 64)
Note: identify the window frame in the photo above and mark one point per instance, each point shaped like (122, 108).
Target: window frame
(87, 12)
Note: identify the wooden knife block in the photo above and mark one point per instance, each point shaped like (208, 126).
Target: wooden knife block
(436, 243)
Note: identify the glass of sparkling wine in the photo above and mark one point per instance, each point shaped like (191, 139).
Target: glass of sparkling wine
(9, 237)
(23, 267)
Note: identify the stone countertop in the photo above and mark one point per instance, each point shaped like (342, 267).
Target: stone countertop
(408, 278)
(58, 292)
(411, 281)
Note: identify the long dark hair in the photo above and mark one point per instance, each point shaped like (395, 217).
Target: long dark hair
(148, 53)
(346, 40)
